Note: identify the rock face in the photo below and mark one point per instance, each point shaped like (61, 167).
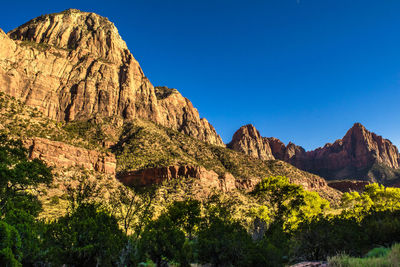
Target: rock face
(152, 176)
(349, 186)
(62, 155)
(249, 141)
(180, 115)
(359, 154)
(74, 65)
(225, 182)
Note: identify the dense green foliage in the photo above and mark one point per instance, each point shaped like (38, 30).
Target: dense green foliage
(19, 204)
(10, 245)
(287, 225)
(87, 235)
(367, 220)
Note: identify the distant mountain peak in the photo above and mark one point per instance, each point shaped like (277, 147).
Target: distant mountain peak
(359, 154)
(249, 141)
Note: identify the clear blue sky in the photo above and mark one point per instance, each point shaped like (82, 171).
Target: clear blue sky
(299, 70)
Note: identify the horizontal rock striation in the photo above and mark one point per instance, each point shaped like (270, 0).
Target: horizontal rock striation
(349, 185)
(60, 155)
(152, 176)
(210, 179)
(74, 65)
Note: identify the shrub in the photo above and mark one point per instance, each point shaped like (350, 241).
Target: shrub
(377, 252)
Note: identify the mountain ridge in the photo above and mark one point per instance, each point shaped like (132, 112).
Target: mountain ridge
(359, 153)
(74, 65)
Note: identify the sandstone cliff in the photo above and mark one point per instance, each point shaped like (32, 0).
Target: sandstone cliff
(74, 65)
(349, 186)
(207, 178)
(61, 155)
(249, 141)
(359, 154)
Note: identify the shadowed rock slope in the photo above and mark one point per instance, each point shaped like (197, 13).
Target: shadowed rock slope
(74, 66)
(360, 154)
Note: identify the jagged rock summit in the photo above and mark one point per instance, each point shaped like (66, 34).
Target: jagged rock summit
(75, 30)
(360, 154)
(249, 141)
(74, 65)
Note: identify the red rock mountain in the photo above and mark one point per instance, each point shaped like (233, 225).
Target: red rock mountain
(74, 65)
(359, 154)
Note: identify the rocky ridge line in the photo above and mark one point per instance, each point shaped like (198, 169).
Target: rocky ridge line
(359, 154)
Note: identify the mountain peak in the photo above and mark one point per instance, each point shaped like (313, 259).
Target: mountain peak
(73, 29)
(360, 153)
(74, 65)
(358, 125)
(248, 130)
(249, 141)
(358, 134)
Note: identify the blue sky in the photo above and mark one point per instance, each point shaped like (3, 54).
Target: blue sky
(299, 70)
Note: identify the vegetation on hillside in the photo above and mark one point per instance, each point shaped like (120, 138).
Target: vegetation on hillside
(139, 144)
(143, 144)
(178, 222)
(19, 120)
(285, 224)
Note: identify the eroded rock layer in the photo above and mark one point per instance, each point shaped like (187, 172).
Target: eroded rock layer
(62, 155)
(152, 176)
(208, 178)
(348, 185)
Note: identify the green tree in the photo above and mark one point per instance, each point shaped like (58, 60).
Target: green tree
(186, 215)
(10, 246)
(224, 243)
(278, 193)
(19, 176)
(88, 236)
(133, 207)
(222, 240)
(162, 240)
(375, 197)
(290, 204)
(325, 236)
(20, 180)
